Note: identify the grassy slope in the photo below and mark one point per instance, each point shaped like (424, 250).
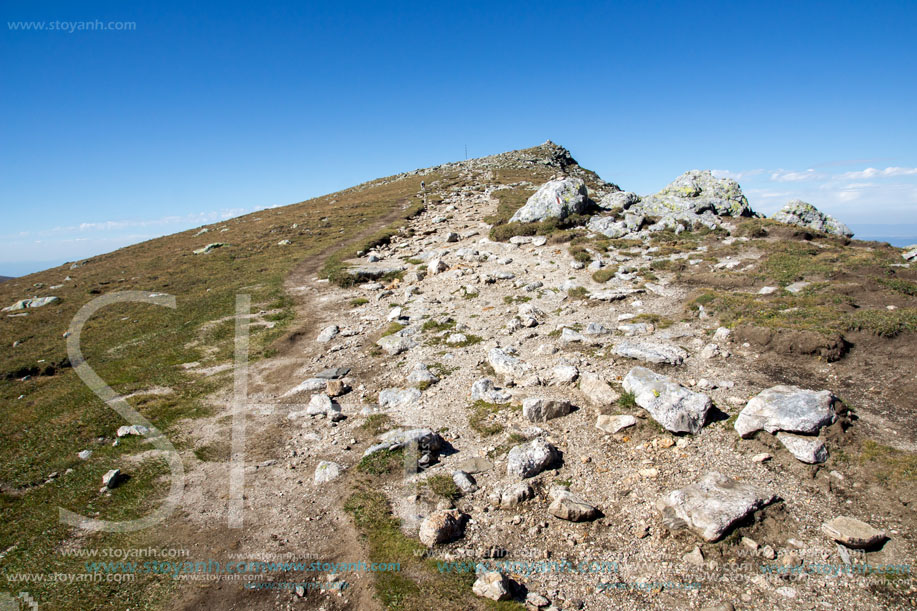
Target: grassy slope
(47, 419)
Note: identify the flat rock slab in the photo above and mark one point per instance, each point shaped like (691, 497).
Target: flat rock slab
(810, 450)
(333, 373)
(597, 390)
(787, 408)
(853, 533)
(614, 294)
(397, 397)
(614, 424)
(676, 408)
(475, 464)
(712, 505)
(651, 352)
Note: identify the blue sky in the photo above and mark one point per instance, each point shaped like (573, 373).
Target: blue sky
(210, 109)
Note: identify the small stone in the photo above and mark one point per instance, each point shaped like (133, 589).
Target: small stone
(327, 334)
(492, 585)
(568, 506)
(326, 471)
(530, 459)
(810, 450)
(443, 526)
(464, 481)
(516, 494)
(537, 409)
(112, 479)
(615, 424)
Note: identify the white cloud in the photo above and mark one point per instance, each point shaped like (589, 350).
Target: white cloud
(787, 176)
(876, 173)
(736, 175)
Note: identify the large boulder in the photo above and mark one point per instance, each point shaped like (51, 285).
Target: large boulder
(555, 199)
(786, 408)
(34, 302)
(673, 406)
(711, 505)
(798, 212)
(698, 191)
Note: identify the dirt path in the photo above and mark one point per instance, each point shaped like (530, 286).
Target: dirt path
(286, 517)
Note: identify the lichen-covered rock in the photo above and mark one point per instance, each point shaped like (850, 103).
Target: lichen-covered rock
(803, 214)
(555, 199)
(618, 200)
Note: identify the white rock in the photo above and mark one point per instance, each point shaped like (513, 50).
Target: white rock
(809, 450)
(787, 408)
(615, 424)
(326, 471)
(673, 406)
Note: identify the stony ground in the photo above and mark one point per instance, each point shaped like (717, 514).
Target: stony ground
(458, 296)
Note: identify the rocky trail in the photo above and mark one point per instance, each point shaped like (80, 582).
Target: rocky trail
(602, 446)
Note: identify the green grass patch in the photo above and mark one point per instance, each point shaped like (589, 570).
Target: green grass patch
(392, 328)
(900, 286)
(443, 486)
(480, 418)
(627, 401)
(605, 274)
(382, 462)
(376, 424)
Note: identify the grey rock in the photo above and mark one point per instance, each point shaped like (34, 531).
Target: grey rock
(209, 248)
(696, 192)
(618, 200)
(796, 287)
(312, 384)
(787, 408)
(651, 351)
(539, 409)
(327, 334)
(614, 424)
(910, 253)
(484, 390)
(28, 304)
(596, 328)
(397, 397)
(426, 440)
(637, 328)
(395, 344)
(712, 505)
(555, 199)
(509, 367)
(803, 214)
(443, 526)
(529, 459)
(475, 464)
(673, 406)
(565, 374)
(464, 481)
(810, 450)
(321, 403)
(333, 373)
(569, 336)
(421, 374)
(607, 226)
(853, 533)
(326, 471)
(597, 390)
(436, 266)
(84, 454)
(515, 494)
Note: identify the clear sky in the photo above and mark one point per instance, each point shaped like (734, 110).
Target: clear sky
(202, 110)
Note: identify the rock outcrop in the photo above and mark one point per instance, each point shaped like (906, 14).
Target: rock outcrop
(555, 199)
(798, 212)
